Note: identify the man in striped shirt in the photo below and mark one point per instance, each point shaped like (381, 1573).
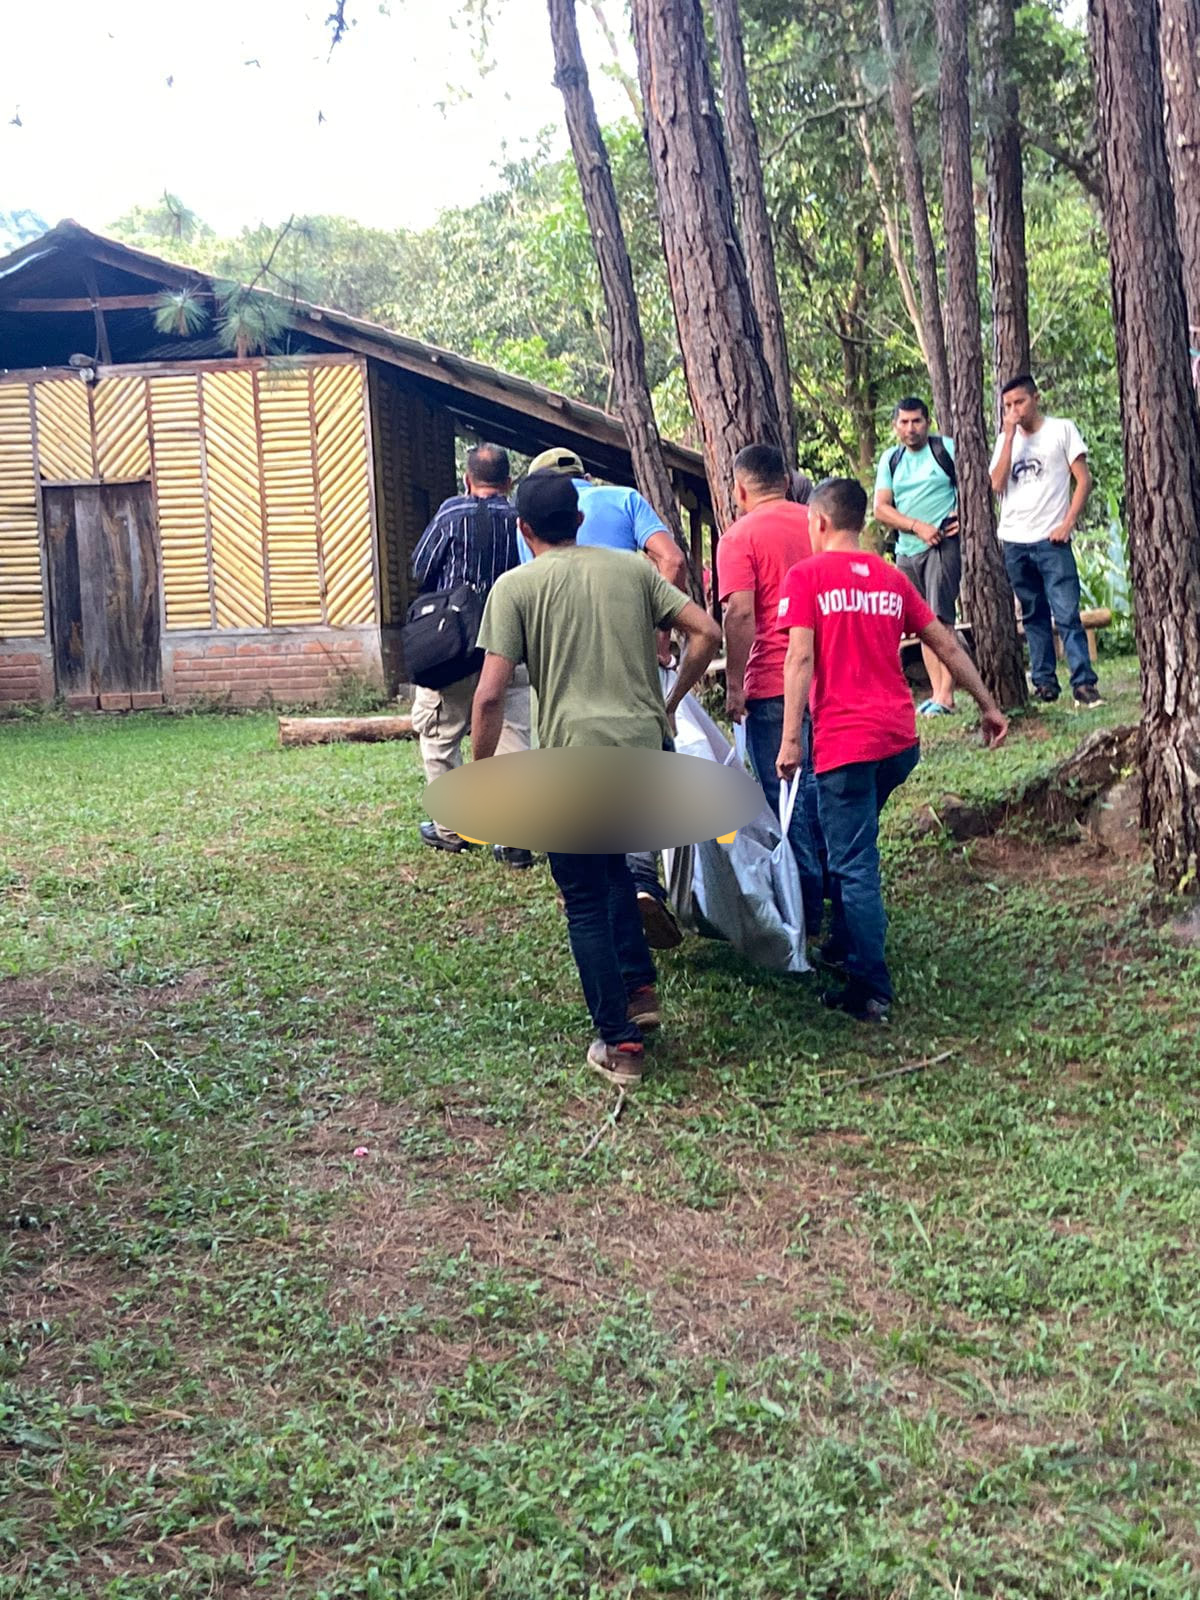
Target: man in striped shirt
(472, 539)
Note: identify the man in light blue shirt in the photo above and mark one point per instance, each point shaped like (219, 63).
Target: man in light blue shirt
(620, 518)
(616, 517)
(916, 492)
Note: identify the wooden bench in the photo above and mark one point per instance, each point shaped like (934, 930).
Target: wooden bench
(1094, 622)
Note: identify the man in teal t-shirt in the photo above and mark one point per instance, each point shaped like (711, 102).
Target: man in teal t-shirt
(916, 492)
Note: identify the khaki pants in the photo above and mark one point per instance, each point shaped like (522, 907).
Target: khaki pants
(441, 719)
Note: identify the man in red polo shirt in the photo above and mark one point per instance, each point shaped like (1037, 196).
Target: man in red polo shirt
(753, 557)
(845, 611)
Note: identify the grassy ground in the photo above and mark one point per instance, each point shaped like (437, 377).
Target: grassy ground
(775, 1334)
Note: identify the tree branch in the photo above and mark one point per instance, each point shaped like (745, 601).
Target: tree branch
(623, 77)
(1084, 166)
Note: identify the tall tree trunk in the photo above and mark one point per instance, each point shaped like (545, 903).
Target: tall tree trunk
(891, 232)
(745, 162)
(1006, 203)
(626, 346)
(1179, 47)
(1159, 424)
(987, 596)
(918, 213)
(729, 383)
(855, 338)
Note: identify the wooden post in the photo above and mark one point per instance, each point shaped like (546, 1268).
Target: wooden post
(715, 605)
(103, 348)
(696, 538)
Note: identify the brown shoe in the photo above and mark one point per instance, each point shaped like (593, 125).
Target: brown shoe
(644, 1008)
(658, 922)
(621, 1064)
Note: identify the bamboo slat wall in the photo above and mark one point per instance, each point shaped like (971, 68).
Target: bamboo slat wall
(21, 610)
(235, 508)
(64, 430)
(261, 479)
(345, 493)
(181, 500)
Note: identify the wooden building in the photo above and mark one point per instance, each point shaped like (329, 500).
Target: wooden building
(179, 525)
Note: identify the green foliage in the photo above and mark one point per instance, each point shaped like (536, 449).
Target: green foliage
(1102, 556)
(249, 323)
(179, 311)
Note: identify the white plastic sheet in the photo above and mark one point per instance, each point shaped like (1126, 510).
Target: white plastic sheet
(747, 892)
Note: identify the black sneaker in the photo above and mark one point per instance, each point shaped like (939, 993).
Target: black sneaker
(862, 1008)
(1088, 695)
(1047, 693)
(454, 845)
(511, 856)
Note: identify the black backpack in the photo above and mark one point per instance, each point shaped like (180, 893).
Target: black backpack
(440, 630)
(940, 454)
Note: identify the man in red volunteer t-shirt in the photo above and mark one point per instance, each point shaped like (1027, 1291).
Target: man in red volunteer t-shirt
(845, 612)
(753, 557)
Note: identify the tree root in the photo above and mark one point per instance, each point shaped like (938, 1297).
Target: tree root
(1063, 796)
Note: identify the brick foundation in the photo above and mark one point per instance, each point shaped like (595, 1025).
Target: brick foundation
(305, 666)
(26, 672)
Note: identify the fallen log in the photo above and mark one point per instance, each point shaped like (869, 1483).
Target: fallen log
(343, 730)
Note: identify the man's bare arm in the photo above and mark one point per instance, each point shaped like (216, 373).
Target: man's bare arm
(701, 641)
(487, 708)
(797, 681)
(738, 614)
(890, 517)
(999, 474)
(668, 558)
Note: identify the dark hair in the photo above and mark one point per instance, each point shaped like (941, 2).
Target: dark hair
(843, 501)
(549, 503)
(1022, 381)
(762, 465)
(800, 487)
(488, 464)
(911, 402)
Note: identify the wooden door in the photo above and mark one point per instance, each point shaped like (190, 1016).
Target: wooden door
(103, 563)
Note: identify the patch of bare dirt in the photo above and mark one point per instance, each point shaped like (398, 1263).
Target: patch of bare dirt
(1036, 861)
(92, 996)
(737, 1278)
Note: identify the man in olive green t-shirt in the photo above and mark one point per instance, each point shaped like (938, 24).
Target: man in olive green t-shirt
(583, 619)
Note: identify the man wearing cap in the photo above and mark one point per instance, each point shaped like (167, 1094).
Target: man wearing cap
(619, 518)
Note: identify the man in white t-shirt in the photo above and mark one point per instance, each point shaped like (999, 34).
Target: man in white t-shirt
(1039, 469)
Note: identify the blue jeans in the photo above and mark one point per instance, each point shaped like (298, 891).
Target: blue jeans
(605, 929)
(1045, 580)
(764, 731)
(851, 799)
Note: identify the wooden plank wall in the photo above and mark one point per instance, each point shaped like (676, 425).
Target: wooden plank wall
(414, 473)
(22, 613)
(262, 485)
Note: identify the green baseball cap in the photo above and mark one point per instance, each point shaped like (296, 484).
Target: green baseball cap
(564, 461)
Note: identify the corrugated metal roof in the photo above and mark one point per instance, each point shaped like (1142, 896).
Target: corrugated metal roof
(25, 261)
